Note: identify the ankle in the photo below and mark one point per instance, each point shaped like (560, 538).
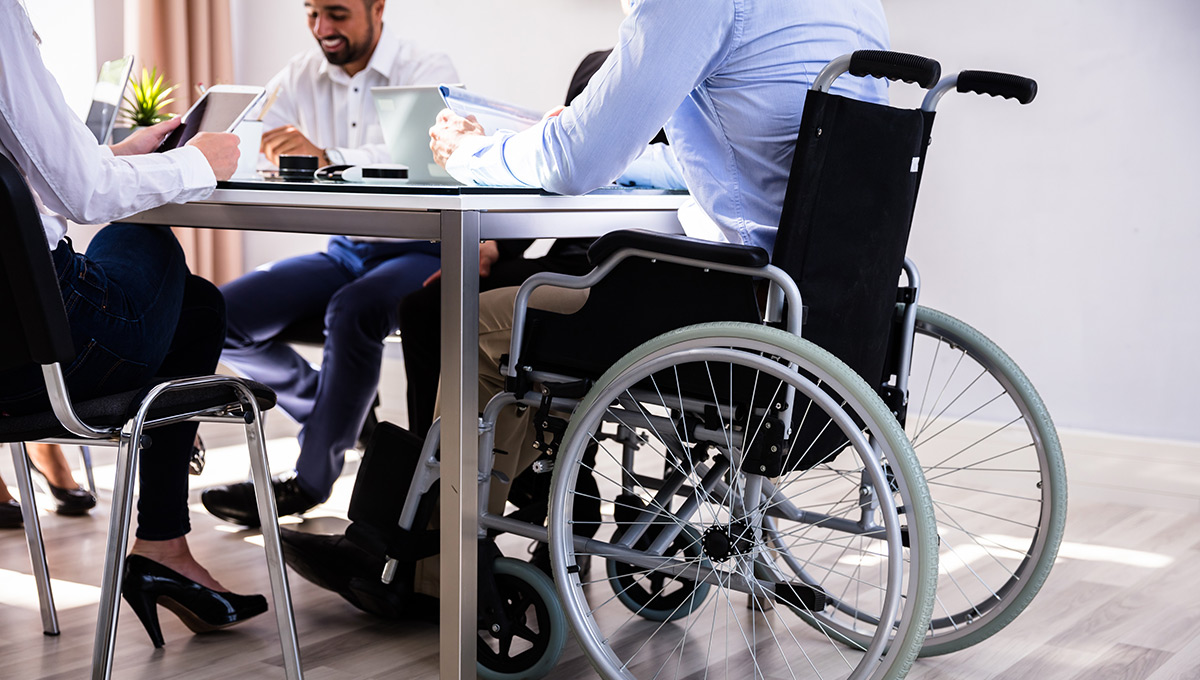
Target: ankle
(49, 460)
(174, 554)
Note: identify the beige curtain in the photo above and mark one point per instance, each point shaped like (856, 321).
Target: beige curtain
(190, 41)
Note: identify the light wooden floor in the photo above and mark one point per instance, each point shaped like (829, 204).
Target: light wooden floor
(1123, 601)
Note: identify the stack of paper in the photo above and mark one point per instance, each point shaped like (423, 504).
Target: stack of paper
(492, 114)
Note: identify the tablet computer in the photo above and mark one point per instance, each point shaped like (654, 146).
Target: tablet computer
(219, 109)
(406, 112)
(107, 95)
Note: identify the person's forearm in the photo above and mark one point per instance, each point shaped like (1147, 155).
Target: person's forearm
(665, 48)
(72, 174)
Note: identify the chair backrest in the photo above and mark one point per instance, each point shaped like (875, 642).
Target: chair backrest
(35, 328)
(846, 219)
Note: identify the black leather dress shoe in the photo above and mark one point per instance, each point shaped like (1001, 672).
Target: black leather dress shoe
(10, 515)
(336, 563)
(328, 561)
(235, 502)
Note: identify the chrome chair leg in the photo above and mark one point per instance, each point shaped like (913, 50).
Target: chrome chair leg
(33, 536)
(269, 520)
(85, 452)
(114, 557)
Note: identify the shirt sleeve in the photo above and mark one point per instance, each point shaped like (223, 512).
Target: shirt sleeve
(73, 175)
(666, 48)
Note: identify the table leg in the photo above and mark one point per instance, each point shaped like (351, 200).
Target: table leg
(460, 443)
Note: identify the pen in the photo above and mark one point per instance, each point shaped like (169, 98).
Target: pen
(270, 102)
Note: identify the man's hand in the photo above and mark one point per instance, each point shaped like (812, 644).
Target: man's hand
(145, 140)
(488, 254)
(287, 140)
(221, 150)
(448, 132)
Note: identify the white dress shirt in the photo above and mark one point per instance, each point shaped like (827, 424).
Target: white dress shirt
(335, 110)
(71, 176)
(728, 78)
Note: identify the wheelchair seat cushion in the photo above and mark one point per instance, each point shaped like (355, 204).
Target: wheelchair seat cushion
(681, 246)
(116, 409)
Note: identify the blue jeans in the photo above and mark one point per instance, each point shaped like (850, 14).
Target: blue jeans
(137, 317)
(357, 288)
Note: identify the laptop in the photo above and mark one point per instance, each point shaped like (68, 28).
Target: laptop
(107, 96)
(405, 115)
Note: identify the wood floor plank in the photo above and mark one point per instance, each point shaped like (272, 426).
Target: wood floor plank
(1124, 662)
(1183, 665)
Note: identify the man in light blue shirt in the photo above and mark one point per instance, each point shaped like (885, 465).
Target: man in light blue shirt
(726, 79)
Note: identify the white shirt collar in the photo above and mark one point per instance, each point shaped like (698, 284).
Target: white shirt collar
(381, 59)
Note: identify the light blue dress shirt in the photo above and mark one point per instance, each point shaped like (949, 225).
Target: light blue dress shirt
(727, 77)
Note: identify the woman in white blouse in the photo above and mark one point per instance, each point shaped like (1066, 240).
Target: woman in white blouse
(137, 315)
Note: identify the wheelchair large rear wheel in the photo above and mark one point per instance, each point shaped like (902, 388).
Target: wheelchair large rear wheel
(995, 471)
(796, 557)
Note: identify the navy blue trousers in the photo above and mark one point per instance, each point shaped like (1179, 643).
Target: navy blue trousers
(137, 317)
(357, 287)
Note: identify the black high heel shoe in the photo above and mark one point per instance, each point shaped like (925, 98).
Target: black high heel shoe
(71, 502)
(148, 584)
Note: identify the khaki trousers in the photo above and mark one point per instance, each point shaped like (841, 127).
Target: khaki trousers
(513, 433)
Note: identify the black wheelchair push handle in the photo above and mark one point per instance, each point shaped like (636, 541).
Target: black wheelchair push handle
(997, 84)
(909, 68)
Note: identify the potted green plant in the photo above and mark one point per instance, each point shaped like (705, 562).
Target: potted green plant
(147, 98)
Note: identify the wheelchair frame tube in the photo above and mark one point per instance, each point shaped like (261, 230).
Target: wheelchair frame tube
(788, 287)
(831, 72)
(938, 91)
(909, 328)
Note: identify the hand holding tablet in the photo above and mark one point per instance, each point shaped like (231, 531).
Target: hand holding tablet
(219, 109)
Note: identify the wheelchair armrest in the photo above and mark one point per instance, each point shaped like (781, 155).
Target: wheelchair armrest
(746, 260)
(681, 246)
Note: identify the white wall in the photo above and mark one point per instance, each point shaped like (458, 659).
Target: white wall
(68, 47)
(1064, 229)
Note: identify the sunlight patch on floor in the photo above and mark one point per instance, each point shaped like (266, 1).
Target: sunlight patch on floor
(1011, 549)
(20, 590)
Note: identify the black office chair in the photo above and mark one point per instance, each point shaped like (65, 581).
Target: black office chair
(37, 331)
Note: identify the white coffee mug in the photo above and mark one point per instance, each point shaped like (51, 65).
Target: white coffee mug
(249, 134)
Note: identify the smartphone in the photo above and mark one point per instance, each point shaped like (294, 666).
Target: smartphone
(219, 109)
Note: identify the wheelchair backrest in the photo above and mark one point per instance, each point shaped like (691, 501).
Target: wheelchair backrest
(846, 219)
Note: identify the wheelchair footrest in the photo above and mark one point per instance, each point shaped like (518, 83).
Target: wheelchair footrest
(801, 596)
(408, 546)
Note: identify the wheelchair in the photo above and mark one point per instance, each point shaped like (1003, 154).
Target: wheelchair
(728, 497)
